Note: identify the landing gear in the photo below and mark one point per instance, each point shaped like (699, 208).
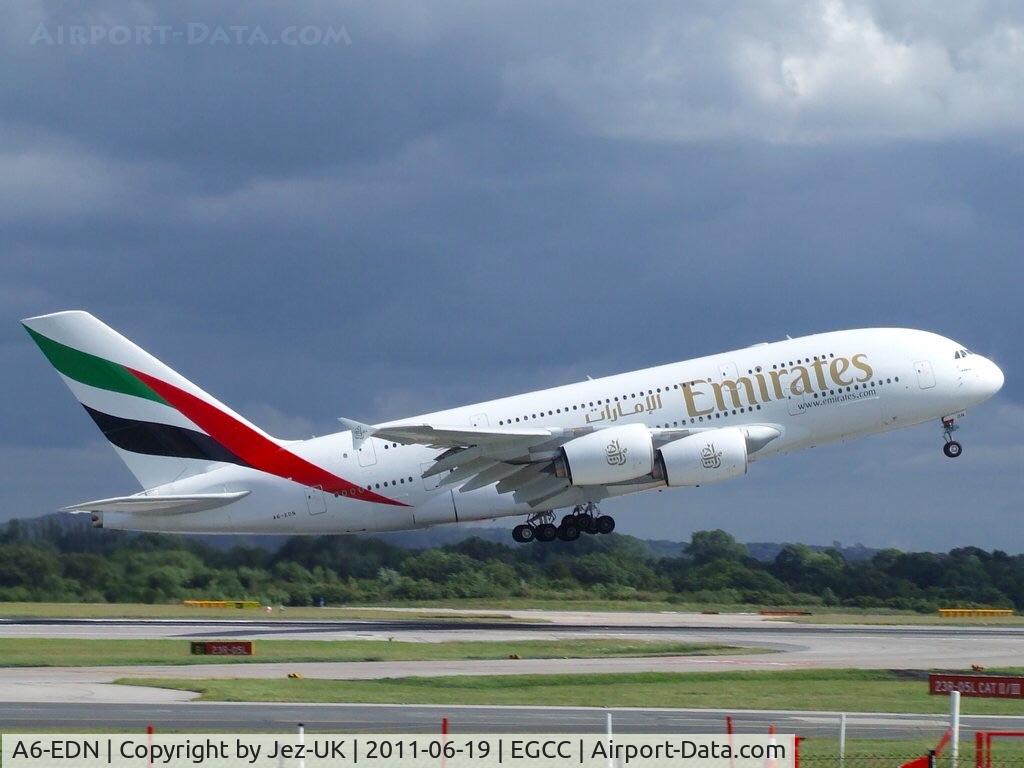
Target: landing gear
(547, 532)
(952, 448)
(539, 527)
(584, 518)
(568, 530)
(524, 533)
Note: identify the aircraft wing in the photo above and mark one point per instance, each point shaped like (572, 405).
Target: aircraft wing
(519, 460)
(429, 434)
(158, 505)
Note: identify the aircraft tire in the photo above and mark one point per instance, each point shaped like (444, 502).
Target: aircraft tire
(605, 524)
(523, 533)
(546, 532)
(952, 449)
(568, 530)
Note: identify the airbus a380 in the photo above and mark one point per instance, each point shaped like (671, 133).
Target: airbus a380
(205, 469)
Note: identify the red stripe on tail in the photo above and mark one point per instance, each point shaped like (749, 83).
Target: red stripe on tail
(257, 450)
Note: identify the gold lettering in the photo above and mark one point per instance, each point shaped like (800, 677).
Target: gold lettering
(819, 374)
(803, 378)
(734, 392)
(837, 368)
(862, 365)
(762, 386)
(689, 395)
(777, 383)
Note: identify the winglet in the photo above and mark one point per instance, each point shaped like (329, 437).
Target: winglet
(360, 431)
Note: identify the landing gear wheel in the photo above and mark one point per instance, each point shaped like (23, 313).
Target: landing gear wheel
(568, 530)
(546, 532)
(524, 533)
(605, 524)
(588, 524)
(952, 448)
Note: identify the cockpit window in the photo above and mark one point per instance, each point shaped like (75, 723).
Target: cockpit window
(961, 353)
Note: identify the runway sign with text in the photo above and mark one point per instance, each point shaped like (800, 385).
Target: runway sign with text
(222, 648)
(982, 686)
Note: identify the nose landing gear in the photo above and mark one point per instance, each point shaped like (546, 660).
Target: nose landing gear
(952, 448)
(584, 518)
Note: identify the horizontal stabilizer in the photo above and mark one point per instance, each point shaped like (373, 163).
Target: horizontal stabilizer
(158, 505)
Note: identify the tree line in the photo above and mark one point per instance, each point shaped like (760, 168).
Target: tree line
(56, 562)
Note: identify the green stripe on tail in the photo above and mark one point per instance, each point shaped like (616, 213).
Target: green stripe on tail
(92, 370)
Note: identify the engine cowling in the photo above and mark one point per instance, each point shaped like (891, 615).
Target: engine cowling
(612, 455)
(703, 458)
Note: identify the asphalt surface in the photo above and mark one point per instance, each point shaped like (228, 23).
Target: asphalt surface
(794, 646)
(354, 718)
(38, 627)
(85, 698)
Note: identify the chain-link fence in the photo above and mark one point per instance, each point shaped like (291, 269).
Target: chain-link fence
(997, 759)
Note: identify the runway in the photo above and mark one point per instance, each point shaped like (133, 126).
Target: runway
(367, 718)
(86, 696)
(792, 646)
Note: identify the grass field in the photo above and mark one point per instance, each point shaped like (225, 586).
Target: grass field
(69, 652)
(846, 690)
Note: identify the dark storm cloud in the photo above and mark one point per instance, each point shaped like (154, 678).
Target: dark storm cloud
(457, 203)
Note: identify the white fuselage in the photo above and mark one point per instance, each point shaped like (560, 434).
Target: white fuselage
(814, 390)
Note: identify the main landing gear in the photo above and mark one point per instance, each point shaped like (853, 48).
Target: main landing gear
(952, 448)
(584, 518)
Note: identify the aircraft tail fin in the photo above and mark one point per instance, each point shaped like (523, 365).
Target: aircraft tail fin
(162, 425)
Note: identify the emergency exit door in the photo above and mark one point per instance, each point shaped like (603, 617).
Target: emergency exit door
(925, 374)
(316, 502)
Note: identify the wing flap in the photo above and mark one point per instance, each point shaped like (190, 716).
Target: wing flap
(492, 475)
(158, 505)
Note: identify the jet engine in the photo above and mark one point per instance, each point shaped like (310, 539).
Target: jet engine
(702, 458)
(612, 455)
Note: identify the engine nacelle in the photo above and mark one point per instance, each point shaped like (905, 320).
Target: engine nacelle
(612, 455)
(703, 458)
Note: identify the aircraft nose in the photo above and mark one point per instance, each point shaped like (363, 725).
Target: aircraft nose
(990, 377)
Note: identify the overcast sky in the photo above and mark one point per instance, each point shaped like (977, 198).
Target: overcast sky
(376, 209)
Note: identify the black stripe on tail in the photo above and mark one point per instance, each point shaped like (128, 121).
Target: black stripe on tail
(161, 439)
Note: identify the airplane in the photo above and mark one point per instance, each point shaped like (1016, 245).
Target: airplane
(206, 469)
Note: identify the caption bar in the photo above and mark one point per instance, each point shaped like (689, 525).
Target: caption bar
(312, 750)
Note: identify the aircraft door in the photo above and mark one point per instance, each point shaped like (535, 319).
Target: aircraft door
(480, 420)
(316, 502)
(366, 453)
(797, 403)
(925, 374)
